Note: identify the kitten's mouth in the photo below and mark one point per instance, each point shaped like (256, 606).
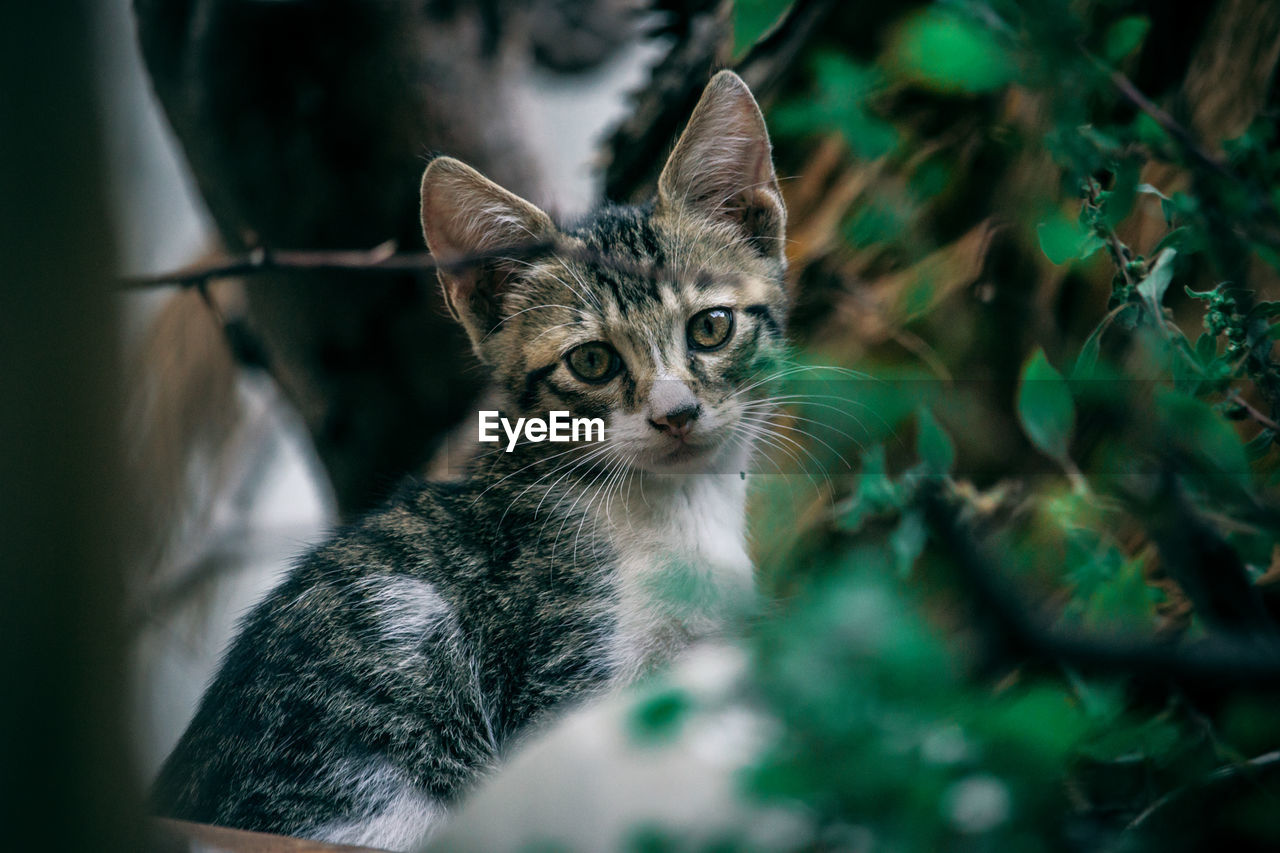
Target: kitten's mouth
(681, 455)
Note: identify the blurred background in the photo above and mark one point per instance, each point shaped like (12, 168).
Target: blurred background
(1017, 534)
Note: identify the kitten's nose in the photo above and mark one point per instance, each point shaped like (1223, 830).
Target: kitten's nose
(678, 421)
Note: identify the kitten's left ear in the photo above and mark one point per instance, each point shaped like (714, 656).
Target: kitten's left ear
(466, 214)
(722, 167)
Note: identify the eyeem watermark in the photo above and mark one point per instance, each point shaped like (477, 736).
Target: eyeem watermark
(557, 427)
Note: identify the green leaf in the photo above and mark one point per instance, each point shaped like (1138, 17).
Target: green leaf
(1178, 239)
(1123, 602)
(1130, 740)
(1264, 310)
(876, 492)
(1153, 287)
(933, 445)
(752, 19)
(908, 541)
(1123, 192)
(1062, 240)
(1149, 132)
(1045, 407)
(947, 52)
(1087, 362)
(1206, 348)
(1124, 37)
(659, 715)
(1200, 433)
(1257, 447)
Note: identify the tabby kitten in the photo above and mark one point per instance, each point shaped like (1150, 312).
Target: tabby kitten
(402, 658)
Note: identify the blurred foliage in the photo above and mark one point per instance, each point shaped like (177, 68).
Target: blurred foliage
(1064, 285)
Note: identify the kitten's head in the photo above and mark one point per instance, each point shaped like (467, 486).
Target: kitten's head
(660, 319)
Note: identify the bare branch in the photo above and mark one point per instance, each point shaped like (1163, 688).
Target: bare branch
(380, 259)
(1199, 157)
(1247, 770)
(383, 259)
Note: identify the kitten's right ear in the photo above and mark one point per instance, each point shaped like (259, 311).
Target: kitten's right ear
(722, 166)
(465, 214)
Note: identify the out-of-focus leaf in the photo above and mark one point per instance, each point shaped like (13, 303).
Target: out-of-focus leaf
(1153, 287)
(1106, 143)
(1206, 348)
(753, 18)
(1124, 36)
(1133, 740)
(1257, 447)
(1086, 363)
(1200, 433)
(1178, 239)
(1123, 603)
(1123, 192)
(934, 447)
(1149, 132)
(945, 51)
(1043, 723)
(659, 715)
(1264, 311)
(1063, 240)
(908, 541)
(843, 90)
(874, 494)
(1045, 407)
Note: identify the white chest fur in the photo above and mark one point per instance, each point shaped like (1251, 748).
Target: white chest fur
(683, 564)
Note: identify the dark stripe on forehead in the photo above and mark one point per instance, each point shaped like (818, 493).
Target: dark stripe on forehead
(764, 315)
(605, 277)
(624, 231)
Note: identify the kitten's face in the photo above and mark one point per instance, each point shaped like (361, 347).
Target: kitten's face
(665, 337)
(658, 319)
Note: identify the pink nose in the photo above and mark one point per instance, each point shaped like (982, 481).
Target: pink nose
(679, 421)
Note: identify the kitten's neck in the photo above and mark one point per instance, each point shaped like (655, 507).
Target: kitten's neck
(683, 562)
(675, 544)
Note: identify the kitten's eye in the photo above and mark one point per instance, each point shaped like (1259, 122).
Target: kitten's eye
(595, 362)
(710, 329)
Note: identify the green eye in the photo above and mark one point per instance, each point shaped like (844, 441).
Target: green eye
(595, 362)
(710, 329)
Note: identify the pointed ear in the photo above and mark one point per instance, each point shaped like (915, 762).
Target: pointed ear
(722, 167)
(465, 214)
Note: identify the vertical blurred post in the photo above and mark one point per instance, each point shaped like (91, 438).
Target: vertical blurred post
(65, 778)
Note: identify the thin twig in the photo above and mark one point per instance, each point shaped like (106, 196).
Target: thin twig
(1184, 137)
(383, 259)
(1218, 777)
(1252, 412)
(1195, 151)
